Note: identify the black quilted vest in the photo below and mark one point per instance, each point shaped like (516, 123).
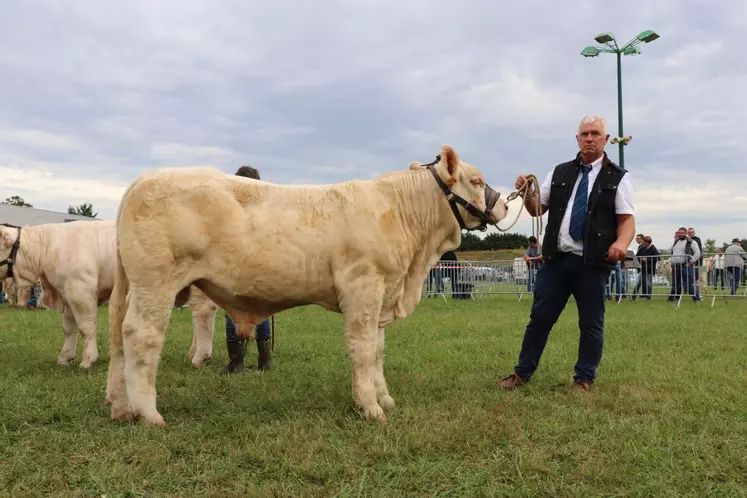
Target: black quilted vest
(600, 226)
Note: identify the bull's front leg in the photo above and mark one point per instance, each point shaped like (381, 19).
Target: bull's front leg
(70, 329)
(362, 338)
(382, 391)
(85, 316)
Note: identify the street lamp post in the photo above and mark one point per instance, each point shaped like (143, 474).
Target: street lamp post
(611, 47)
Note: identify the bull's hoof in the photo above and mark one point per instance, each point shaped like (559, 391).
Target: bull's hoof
(121, 412)
(375, 413)
(87, 362)
(65, 361)
(198, 362)
(386, 402)
(153, 420)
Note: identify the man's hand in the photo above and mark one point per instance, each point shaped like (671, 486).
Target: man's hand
(520, 181)
(617, 251)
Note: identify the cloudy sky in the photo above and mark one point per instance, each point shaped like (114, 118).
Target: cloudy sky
(94, 93)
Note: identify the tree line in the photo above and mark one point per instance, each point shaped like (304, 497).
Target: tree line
(85, 209)
(493, 242)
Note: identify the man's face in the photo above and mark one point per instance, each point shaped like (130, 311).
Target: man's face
(638, 239)
(681, 234)
(591, 140)
(691, 232)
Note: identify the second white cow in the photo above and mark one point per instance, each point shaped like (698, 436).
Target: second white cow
(75, 263)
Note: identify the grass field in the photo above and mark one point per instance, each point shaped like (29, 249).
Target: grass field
(667, 416)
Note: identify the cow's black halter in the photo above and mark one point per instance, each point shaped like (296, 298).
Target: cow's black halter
(491, 198)
(11, 259)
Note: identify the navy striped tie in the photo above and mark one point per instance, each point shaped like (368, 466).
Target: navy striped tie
(578, 214)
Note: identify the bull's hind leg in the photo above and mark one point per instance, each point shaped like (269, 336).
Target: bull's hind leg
(70, 329)
(203, 319)
(143, 334)
(382, 391)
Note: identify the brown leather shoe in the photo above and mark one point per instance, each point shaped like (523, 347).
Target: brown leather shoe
(511, 382)
(581, 385)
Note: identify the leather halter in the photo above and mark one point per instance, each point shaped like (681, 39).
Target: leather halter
(11, 259)
(491, 197)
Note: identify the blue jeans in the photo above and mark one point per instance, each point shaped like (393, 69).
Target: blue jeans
(32, 297)
(735, 273)
(559, 278)
(531, 278)
(263, 330)
(692, 275)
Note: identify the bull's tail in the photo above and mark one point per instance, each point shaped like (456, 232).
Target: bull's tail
(117, 305)
(117, 311)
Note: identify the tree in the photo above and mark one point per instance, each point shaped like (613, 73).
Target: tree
(710, 246)
(85, 209)
(17, 200)
(470, 242)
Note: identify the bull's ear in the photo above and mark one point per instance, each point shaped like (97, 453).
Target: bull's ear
(5, 241)
(414, 166)
(450, 160)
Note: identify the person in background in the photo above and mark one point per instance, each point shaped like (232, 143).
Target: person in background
(649, 257)
(693, 272)
(734, 260)
(718, 269)
(533, 259)
(684, 254)
(641, 246)
(237, 345)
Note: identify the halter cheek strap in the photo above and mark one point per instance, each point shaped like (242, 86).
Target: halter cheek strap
(11, 259)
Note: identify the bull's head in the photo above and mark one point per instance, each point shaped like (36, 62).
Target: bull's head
(10, 239)
(474, 203)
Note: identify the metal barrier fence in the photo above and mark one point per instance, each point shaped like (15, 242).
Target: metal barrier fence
(672, 278)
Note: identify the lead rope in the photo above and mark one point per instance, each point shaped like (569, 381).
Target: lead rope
(522, 192)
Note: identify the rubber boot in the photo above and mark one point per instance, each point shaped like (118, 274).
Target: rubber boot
(236, 352)
(264, 359)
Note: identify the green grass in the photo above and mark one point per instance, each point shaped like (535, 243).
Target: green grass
(667, 416)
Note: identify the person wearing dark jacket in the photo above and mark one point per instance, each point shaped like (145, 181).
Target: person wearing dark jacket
(590, 224)
(649, 257)
(235, 344)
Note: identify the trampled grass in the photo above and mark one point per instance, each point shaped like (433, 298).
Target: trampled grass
(667, 416)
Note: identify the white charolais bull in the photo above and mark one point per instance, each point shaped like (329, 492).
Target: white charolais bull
(75, 263)
(359, 248)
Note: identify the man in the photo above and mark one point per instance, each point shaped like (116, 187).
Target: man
(693, 272)
(236, 345)
(649, 257)
(684, 254)
(734, 259)
(590, 226)
(533, 258)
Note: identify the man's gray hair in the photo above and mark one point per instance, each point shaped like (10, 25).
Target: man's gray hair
(595, 119)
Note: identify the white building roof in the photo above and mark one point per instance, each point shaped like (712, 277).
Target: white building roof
(27, 216)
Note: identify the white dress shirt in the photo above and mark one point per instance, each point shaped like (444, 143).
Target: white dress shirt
(623, 204)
